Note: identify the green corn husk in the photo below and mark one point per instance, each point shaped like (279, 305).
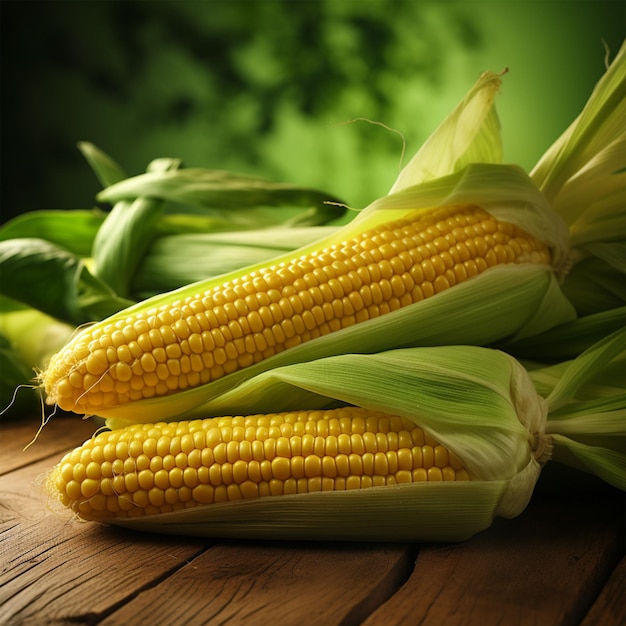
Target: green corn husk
(231, 196)
(480, 403)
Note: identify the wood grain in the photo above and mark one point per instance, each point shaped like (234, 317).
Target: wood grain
(610, 607)
(544, 567)
(274, 583)
(55, 567)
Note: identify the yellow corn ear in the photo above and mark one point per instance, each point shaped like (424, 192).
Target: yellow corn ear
(179, 344)
(148, 469)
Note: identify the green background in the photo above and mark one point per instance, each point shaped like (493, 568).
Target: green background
(268, 86)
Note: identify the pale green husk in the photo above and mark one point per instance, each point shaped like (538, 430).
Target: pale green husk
(409, 512)
(583, 173)
(470, 134)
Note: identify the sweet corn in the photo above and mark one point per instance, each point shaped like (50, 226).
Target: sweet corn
(146, 469)
(427, 444)
(456, 217)
(189, 342)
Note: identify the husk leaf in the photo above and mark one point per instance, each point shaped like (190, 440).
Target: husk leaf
(469, 134)
(409, 512)
(236, 197)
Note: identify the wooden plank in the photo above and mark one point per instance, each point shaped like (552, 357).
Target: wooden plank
(273, 583)
(544, 567)
(610, 607)
(61, 434)
(56, 570)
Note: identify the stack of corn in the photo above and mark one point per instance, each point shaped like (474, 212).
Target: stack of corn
(419, 443)
(363, 329)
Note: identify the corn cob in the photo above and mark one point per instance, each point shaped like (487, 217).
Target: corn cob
(147, 469)
(193, 341)
(454, 235)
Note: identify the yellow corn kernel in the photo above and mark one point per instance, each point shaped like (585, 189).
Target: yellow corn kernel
(285, 466)
(200, 338)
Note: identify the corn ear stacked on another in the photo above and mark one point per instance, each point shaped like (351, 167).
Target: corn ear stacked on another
(471, 256)
(322, 395)
(411, 444)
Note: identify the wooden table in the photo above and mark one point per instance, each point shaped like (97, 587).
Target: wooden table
(560, 562)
